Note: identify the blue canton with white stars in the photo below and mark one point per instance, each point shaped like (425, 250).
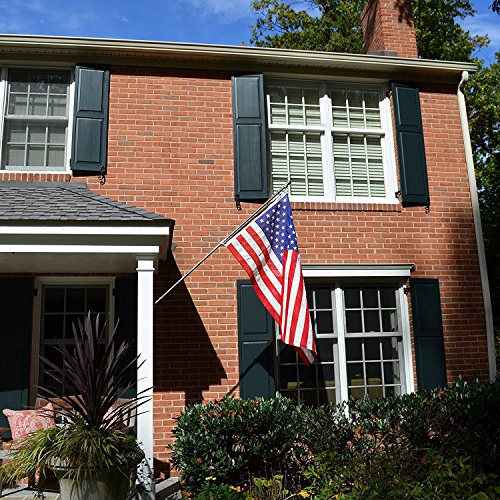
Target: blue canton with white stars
(277, 224)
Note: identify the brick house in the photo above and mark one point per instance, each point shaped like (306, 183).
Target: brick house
(383, 194)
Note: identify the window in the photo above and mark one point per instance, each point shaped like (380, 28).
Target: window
(35, 119)
(360, 339)
(61, 307)
(330, 140)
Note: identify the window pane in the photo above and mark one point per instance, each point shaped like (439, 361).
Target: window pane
(355, 98)
(57, 106)
(54, 300)
(371, 99)
(96, 300)
(37, 105)
(16, 133)
(15, 156)
(370, 297)
(324, 322)
(354, 349)
(297, 156)
(55, 156)
(391, 373)
(35, 156)
(353, 321)
(323, 298)
(372, 349)
(287, 353)
(372, 321)
(389, 321)
(327, 396)
(276, 94)
(53, 326)
(390, 347)
(18, 104)
(387, 297)
(307, 375)
(325, 350)
(326, 375)
(352, 298)
(288, 377)
(75, 300)
(37, 134)
(309, 398)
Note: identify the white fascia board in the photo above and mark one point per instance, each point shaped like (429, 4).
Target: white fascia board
(231, 53)
(88, 230)
(358, 271)
(99, 249)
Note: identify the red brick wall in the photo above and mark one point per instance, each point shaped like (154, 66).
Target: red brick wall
(388, 25)
(171, 151)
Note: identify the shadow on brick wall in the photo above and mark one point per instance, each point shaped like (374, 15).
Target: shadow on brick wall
(185, 360)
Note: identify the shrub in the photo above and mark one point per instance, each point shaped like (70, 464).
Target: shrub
(212, 491)
(402, 473)
(234, 440)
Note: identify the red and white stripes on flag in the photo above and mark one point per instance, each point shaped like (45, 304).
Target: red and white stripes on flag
(267, 249)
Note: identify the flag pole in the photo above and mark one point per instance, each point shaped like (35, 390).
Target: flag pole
(223, 242)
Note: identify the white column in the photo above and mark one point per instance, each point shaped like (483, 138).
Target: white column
(145, 270)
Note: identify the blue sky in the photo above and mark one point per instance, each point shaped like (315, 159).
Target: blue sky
(197, 21)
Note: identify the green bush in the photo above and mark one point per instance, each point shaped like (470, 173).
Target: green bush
(401, 473)
(232, 440)
(212, 491)
(456, 429)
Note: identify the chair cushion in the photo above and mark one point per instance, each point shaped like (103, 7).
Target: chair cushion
(24, 422)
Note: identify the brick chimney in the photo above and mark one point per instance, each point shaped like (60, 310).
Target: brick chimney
(388, 28)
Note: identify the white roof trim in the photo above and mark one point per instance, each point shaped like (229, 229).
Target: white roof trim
(241, 55)
(88, 230)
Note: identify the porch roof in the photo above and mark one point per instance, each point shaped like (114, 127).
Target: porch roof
(65, 201)
(51, 227)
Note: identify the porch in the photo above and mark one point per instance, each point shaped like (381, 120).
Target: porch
(61, 242)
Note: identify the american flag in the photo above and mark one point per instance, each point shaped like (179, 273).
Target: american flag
(267, 249)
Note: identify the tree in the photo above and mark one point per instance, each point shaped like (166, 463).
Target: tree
(326, 25)
(483, 101)
(439, 35)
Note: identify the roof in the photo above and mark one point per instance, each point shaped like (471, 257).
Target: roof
(65, 202)
(233, 58)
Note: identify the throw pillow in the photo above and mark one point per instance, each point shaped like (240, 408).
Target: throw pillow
(24, 422)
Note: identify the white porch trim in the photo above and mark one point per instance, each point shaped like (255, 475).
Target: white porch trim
(145, 270)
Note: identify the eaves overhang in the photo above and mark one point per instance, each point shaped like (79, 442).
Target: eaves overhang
(226, 57)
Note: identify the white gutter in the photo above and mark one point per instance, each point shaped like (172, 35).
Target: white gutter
(488, 313)
(237, 56)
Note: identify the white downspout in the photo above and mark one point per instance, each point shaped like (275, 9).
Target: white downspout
(490, 335)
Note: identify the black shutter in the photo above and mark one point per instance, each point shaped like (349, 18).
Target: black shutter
(256, 345)
(428, 333)
(16, 304)
(250, 157)
(126, 317)
(90, 126)
(411, 150)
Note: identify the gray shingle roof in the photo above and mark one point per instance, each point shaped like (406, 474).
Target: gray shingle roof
(65, 201)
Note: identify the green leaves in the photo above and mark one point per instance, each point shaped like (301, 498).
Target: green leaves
(233, 441)
(439, 34)
(331, 26)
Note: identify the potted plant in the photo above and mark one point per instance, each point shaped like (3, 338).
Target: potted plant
(91, 454)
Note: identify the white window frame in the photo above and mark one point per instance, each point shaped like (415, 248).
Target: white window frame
(339, 277)
(4, 70)
(327, 130)
(62, 281)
